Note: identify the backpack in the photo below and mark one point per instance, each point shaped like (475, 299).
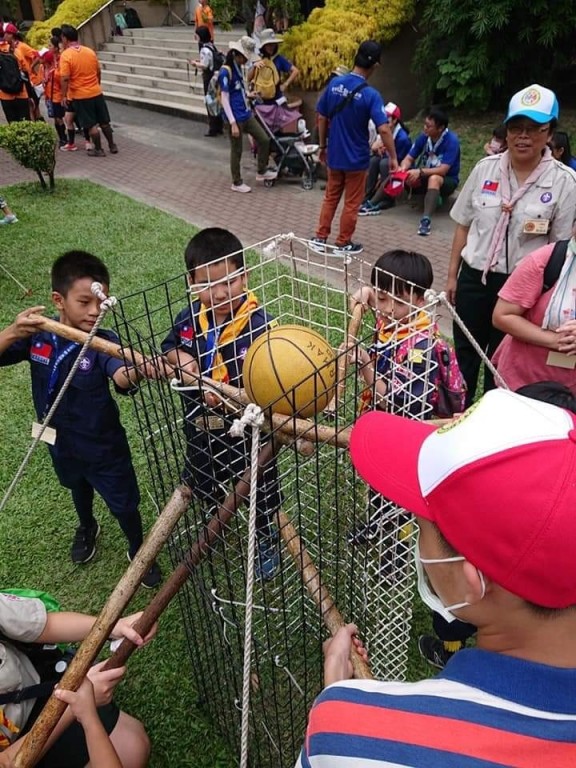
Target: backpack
(266, 80)
(555, 263)
(213, 96)
(10, 76)
(217, 56)
(449, 395)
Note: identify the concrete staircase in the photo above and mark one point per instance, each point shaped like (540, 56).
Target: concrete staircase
(148, 68)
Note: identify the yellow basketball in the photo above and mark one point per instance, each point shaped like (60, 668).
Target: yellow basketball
(290, 369)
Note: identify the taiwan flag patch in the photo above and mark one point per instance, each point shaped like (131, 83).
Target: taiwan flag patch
(187, 335)
(489, 187)
(40, 352)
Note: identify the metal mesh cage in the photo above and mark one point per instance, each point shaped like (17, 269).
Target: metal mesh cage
(359, 542)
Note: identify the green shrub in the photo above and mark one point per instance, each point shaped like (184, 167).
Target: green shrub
(331, 35)
(32, 145)
(68, 12)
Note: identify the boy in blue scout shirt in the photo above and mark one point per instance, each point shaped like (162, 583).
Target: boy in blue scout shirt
(91, 452)
(211, 337)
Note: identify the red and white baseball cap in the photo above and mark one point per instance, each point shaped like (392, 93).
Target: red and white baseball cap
(10, 29)
(499, 482)
(393, 110)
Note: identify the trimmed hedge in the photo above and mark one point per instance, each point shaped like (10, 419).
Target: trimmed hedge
(32, 145)
(331, 35)
(68, 12)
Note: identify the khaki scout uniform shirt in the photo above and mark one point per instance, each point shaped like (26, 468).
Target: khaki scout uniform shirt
(20, 619)
(551, 202)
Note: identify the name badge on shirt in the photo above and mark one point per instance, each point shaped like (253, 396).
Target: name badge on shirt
(48, 436)
(560, 360)
(536, 226)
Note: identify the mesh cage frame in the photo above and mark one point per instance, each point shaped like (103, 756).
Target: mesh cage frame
(359, 542)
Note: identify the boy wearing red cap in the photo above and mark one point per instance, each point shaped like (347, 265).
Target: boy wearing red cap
(494, 494)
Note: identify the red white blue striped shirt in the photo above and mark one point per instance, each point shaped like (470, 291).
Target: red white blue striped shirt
(485, 710)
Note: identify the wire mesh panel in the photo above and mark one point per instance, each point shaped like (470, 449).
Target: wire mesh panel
(359, 542)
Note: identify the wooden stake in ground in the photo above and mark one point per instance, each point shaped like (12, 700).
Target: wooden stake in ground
(319, 593)
(35, 740)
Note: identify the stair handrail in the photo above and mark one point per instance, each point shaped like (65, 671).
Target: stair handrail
(99, 28)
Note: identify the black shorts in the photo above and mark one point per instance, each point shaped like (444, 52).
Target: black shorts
(70, 750)
(115, 480)
(58, 111)
(448, 186)
(91, 112)
(16, 110)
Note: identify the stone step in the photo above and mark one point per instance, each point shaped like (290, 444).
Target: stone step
(148, 93)
(175, 33)
(161, 72)
(137, 60)
(159, 83)
(192, 110)
(152, 51)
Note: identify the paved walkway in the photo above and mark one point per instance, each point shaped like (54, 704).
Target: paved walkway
(166, 162)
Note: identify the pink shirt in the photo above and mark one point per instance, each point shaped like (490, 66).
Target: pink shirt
(517, 362)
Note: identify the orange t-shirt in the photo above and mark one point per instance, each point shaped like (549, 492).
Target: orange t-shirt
(80, 64)
(26, 56)
(204, 17)
(52, 87)
(5, 48)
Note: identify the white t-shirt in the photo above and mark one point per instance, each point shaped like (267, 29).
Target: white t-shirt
(206, 58)
(552, 198)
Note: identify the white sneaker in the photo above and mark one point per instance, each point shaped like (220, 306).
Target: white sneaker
(268, 175)
(9, 219)
(241, 188)
(306, 149)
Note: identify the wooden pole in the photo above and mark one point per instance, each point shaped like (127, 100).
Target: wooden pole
(206, 539)
(35, 740)
(351, 340)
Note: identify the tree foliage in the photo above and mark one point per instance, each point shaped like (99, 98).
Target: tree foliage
(331, 35)
(32, 145)
(477, 52)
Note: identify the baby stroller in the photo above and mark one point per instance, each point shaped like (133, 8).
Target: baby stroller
(293, 157)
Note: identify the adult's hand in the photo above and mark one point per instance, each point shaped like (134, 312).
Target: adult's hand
(323, 156)
(451, 284)
(234, 130)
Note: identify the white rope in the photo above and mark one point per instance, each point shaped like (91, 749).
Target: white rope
(254, 418)
(107, 303)
(432, 296)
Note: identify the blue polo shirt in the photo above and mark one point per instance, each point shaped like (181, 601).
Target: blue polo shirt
(429, 154)
(87, 420)
(348, 138)
(230, 81)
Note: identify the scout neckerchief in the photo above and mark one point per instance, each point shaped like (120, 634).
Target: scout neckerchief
(509, 200)
(561, 306)
(432, 147)
(212, 363)
(388, 334)
(55, 370)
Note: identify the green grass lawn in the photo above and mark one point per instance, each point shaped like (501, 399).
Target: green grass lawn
(140, 246)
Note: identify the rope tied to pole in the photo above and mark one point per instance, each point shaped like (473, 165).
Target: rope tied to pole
(252, 417)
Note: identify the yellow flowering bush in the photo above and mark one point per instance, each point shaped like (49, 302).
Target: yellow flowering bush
(72, 12)
(331, 35)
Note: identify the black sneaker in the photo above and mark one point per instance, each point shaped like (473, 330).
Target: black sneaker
(433, 651)
(342, 250)
(84, 543)
(152, 577)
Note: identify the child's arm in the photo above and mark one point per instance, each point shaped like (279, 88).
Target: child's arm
(130, 376)
(83, 706)
(367, 369)
(363, 296)
(26, 324)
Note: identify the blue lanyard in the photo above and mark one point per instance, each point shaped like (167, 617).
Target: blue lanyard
(212, 338)
(54, 371)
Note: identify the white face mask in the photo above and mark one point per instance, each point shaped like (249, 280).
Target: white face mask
(428, 596)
